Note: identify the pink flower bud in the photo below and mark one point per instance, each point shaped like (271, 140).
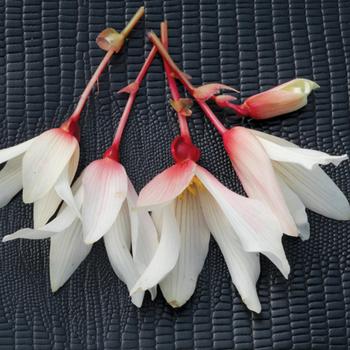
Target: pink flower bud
(282, 99)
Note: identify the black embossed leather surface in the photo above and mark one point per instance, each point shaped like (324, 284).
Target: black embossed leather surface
(48, 53)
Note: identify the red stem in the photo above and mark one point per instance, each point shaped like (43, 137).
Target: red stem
(188, 86)
(184, 130)
(131, 99)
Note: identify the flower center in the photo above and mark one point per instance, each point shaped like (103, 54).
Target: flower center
(193, 188)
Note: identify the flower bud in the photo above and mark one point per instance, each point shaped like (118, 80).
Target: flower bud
(282, 99)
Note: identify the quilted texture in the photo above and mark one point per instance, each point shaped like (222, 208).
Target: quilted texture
(48, 53)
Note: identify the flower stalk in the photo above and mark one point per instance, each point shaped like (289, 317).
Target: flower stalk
(186, 83)
(112, 41)
(131, 89)
(177, 102)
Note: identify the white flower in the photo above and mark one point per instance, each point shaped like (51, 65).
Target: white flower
(131, 229)
(188, 203)
(290, 183)
(44, 167)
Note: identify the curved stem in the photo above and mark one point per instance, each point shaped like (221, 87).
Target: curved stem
(188, 86)
(131, 99)
(184, 130)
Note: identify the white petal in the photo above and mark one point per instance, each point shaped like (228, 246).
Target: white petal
(167, 253)
(144, 236)
(28, 233)
(178, 286)
(15, 151)
(105, 187)
(63, 221)
(255, 171)
(316, 189)
(255, 225)
(117, 243)
(44, 162)
(283, 151)
(167, 185)
(296, 208)
(244, 267)
(10, 180)
(62, 186)
(67, 251)
(45, 207)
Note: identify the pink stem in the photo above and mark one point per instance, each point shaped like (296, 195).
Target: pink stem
(85, 95)
(188, 86)
(212, 117)
(184, 130)
(132, 95)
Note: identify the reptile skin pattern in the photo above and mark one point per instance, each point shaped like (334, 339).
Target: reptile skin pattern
(47, 55)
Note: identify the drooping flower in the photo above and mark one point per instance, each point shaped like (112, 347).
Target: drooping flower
(109, 211)
(131, 229)
(44, 167)
(286, 177)
(188, 203)
(282, 99)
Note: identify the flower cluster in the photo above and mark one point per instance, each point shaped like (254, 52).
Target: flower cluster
(187, 203)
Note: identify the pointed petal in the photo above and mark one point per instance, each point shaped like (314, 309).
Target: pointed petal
(244, 267)
(45, 207)
(62, 186)
(256, 173)
(67, 252)
(28, 233)
(10, 180)
(316, 190)
(167, 185)
(61, 222)
(284, 151)
(105, 187)
(178, 286)
(117, 243)
(166, 256)
(44, 162)
(296, 208)
(15, 151)
(254, 223)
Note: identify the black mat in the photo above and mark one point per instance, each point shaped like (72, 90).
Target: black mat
(48, 53)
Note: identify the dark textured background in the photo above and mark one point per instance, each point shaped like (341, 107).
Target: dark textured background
(48, 53)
